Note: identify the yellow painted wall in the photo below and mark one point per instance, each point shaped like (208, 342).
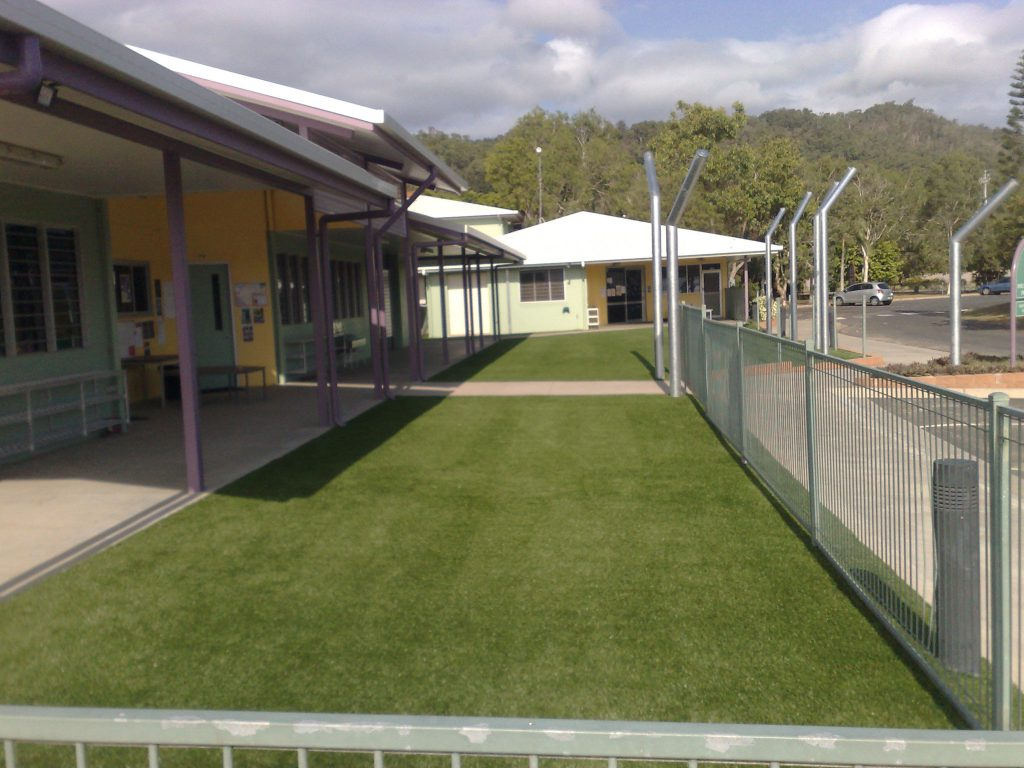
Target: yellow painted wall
(221, 228)
(596, 281)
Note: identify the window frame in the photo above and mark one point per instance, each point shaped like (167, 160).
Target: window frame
(547, 271)
(148, 277)
(8, 327)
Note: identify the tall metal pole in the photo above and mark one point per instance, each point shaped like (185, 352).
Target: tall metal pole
(655, 190)
(540, 185)
(696, 166)
(837, 190)
(954, 265)
(768, 266)
(792, 264)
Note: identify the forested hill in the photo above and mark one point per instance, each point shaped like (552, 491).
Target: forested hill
(896, 136)
(918, 174)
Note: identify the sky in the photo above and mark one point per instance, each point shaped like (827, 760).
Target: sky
(474, 66)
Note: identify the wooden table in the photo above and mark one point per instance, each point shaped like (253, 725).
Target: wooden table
(160, 362)
(234, 371)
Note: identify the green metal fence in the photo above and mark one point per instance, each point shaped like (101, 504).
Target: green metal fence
(913, 492)
(302, 736)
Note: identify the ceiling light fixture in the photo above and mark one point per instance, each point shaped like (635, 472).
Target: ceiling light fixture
(29, 156)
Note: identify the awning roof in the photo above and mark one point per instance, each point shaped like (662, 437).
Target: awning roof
(443, 208)
(346, 128)
(453, 240)
(594, 238)
(120, 110)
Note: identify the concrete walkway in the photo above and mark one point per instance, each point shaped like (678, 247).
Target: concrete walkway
(533, 388)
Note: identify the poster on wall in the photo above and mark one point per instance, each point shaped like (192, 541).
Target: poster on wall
(257, 315)
(250, 294)
(247, 334)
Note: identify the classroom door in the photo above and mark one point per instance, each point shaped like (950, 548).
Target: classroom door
(211, 323)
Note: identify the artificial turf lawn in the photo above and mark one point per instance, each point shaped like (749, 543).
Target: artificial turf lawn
(545, 557)
(589, 356)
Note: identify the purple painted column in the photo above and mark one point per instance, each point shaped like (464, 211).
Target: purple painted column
(323, 400)
(442, 283)
(371, 302)
(326, 293)
(495, 310)
(186, 343)
(413, 306)
(480, 299)
(467, 304)
(385, 357)
(746, 294)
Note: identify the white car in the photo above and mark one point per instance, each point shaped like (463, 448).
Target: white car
(875, 293)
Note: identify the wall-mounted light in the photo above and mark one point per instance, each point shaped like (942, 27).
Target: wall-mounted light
(46, 94)
(28, 156)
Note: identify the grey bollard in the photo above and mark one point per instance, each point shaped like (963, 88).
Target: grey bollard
(957, 605)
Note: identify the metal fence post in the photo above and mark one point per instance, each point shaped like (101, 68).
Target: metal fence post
(812, 478)
(742, 393)
(704, 348)
(999, 522)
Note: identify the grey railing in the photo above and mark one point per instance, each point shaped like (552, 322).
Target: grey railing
(913, 492)
(83, 731)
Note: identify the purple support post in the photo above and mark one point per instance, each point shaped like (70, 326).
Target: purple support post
(385, 358)
(466, 304)
(413, 306)
(480, 299)
(372, 294)
(493, 277)
(326, 292)
(186, 343)
(746, 292)
(323, 399)
(444, 304)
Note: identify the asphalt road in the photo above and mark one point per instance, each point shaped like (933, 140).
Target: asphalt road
(924, 322)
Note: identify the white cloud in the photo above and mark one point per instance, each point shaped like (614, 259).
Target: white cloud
(473, 66)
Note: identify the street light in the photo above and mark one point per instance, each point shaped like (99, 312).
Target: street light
(540, 185)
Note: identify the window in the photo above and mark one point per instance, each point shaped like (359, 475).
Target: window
(541, 285)
(346, 279)
(689, 277)
(131, 288)
(40, 305)
(293, 289)
(64, 288)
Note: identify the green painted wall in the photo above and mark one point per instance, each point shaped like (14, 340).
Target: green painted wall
(517, 317)
(87, 216)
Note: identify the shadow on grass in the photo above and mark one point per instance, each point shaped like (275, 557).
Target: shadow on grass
(837, 577)
(466, 369)
(644, 361)
(306, 470)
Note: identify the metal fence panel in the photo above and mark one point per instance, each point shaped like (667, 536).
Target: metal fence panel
(912, 491)
(452, 737)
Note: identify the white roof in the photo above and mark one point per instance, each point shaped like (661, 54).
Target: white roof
(594, 237)
(443, 208)
(415, 158)
(474, 236)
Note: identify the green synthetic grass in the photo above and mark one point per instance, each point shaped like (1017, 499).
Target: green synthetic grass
(588, 356)
(544, 557)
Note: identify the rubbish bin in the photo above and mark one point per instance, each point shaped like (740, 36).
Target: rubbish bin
(957, 603)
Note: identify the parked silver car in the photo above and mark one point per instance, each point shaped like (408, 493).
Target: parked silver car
(875, 293)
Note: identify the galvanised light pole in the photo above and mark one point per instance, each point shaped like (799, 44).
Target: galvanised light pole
(823, 258)
(954, 266)
(768, 269)
(655, 190)
(792, 264)
(696, 166)
(540, 185)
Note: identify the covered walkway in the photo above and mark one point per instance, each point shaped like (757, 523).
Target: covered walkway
(60, 507)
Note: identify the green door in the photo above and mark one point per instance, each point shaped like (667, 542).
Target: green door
(211, 322)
